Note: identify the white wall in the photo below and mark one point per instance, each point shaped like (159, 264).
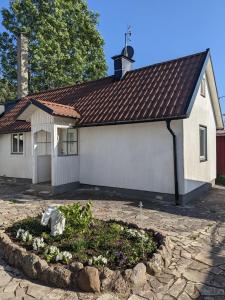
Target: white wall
(15, 165)
(65, 169)
(134, 156)
(41, 164)
(197, 173)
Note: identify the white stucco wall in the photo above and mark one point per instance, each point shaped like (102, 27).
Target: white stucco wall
(134, 156)
(15, 165)
(197, 173)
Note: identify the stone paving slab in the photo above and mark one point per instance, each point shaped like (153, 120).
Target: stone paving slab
(197, 270)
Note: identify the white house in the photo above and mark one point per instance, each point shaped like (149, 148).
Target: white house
(144, 132)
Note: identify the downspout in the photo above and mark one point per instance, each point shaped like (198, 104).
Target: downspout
(176, 186)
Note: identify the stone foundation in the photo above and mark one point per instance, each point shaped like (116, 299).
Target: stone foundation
(87, 279)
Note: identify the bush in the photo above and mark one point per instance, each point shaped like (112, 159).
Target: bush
(78, 218)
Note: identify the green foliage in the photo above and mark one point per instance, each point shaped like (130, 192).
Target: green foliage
(78, 218)
(220, 180)
(92, 241)
(65, 46)
(32, 225)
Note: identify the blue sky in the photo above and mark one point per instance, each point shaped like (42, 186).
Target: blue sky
(163, 29)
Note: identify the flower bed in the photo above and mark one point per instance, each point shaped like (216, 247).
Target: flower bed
(90, 254)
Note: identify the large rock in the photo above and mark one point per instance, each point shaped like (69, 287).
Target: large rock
(29, 262)
(61, 277)
(120, 285)
(107, 276)
(138, 276)
(155, 265)
(88, 280)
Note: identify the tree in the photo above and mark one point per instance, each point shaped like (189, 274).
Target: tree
(64, 45)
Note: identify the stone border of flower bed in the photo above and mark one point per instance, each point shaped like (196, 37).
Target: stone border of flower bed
(87, 279)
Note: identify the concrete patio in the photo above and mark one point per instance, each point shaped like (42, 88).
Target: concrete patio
(197, 270)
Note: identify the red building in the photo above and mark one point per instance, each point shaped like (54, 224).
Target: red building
(220, 143)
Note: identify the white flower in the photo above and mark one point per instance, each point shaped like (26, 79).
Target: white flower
(19, 233)
(141, 234)
(64, 256)
(98, 260)
(59, 257)
(53, 250)
(23, 235)
(38, 243)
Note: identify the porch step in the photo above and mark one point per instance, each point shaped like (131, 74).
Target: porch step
(40, 189)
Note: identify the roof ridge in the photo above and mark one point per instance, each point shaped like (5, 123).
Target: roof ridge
(169, 60)
(56, 103)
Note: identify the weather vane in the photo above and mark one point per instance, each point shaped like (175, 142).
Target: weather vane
(127, 37)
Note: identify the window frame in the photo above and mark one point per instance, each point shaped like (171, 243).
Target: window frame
(205, 157)
(46, 143)
(67, 141)
(18, 143)
(203, 87)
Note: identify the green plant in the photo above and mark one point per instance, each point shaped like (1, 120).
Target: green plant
(79, 245)
(51, 253)
(78, 218)
(220, 180)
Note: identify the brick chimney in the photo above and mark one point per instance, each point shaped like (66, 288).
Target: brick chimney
(22, 66)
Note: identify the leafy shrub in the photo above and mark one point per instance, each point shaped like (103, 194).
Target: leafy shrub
(78, 218)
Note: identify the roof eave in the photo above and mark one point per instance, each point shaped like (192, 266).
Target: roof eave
(129, 121)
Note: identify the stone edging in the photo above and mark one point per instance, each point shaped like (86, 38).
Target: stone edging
(87, 279)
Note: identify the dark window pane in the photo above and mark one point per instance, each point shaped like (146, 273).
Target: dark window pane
(14, 143)
(203, 143)
(21, 143)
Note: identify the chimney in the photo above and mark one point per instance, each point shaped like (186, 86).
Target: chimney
(123, 62)
(22, 66)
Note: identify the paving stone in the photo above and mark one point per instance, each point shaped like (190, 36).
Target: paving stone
(199, 254)
(177, 287)
(107, 297)
(184, 296)
(135, 297)
(210, 259)
(206, 290)
(36, 290)
(168, 297)
(191, 290)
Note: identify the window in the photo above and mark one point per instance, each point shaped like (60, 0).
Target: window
(43, 141)
(203, 87)
(17, 143)
(67, 141)
(203, 143)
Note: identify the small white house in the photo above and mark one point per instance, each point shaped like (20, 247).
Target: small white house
(144, 132)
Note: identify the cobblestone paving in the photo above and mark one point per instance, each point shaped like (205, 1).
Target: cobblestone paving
(197, 270)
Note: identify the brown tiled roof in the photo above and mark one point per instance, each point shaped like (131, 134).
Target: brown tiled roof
(157, 92)
(56, 109)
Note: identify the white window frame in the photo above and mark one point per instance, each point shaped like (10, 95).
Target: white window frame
(203, 87)
(18, 135)
(203, 157)
(68, 142)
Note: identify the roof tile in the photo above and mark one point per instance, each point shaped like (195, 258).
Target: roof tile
(156, 92)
